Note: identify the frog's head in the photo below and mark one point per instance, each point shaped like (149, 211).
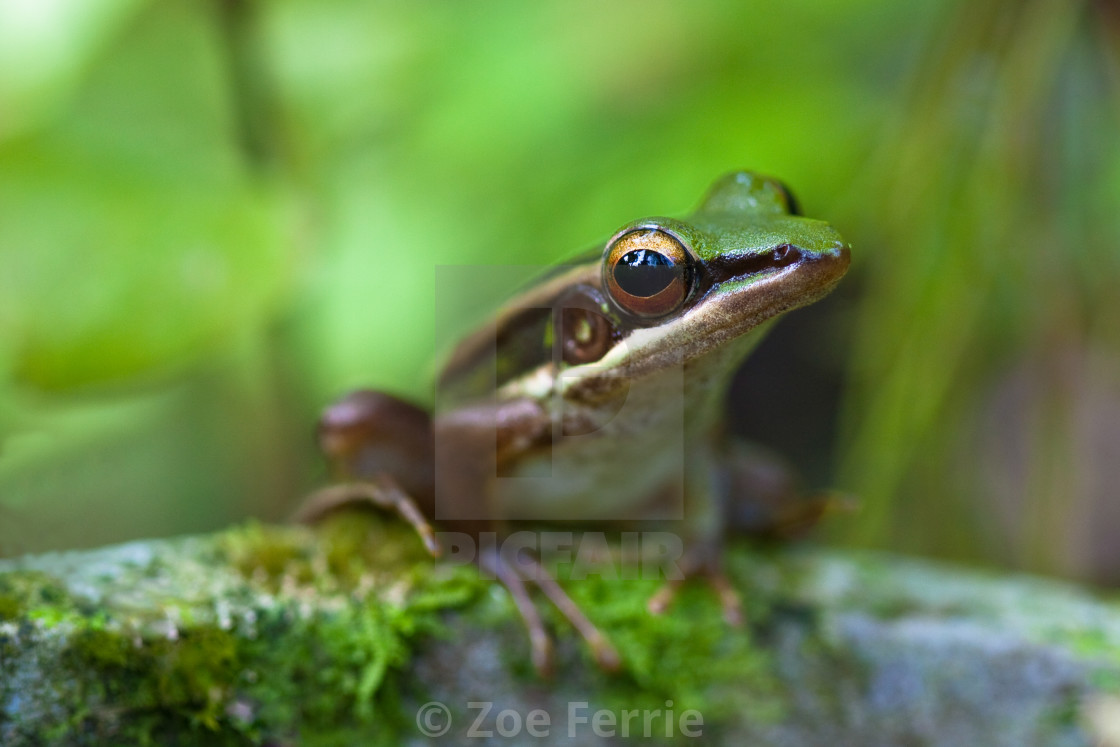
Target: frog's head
(662, 293)
(681, 289)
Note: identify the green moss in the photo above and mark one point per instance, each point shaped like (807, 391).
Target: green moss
(11, 607)
(35, 594)
(325, 622)
(1089, 643)
(689, 656)
(263, 555)
(287, 635)
(1065, 714)
(318, 629)
(99, 649)
(337, 668)
(339, 556)
(159, 685)
(1106, 678)
(328, 619)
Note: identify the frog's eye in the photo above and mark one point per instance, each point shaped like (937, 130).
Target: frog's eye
(648, 272)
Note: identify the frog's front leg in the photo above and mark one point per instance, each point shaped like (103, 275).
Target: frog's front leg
(379, 449)
(513, 573)
(475, 444)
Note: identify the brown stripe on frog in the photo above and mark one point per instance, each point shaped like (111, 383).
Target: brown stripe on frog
(515, 342)
(734, 267)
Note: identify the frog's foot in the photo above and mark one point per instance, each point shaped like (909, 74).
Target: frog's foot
(766, 499)
(796, 518)
(706, 563)
(513, 576)
(381, 492)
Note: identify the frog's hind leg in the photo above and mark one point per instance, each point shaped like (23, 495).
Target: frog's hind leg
(380, 492)
(764, 498)
(749, 490)
(380, 449)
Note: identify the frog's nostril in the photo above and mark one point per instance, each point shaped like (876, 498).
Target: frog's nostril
(785, 255)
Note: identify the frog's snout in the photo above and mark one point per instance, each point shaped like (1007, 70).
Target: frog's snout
(824, 269)
(840, 254)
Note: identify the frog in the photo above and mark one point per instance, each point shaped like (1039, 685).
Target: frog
(597, 393)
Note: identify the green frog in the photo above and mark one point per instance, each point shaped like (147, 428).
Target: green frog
(597, 395)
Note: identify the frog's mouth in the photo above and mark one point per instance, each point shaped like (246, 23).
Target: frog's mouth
(733, 298)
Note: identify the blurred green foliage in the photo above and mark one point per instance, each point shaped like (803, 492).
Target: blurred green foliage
(215, 216)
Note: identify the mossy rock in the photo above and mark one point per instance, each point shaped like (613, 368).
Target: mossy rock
(281, 635)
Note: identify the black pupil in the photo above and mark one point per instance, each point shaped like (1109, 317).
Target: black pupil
(644, 272)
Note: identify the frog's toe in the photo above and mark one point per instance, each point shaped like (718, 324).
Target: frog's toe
(662, 599)
(729, 598)
(707, 566)
(606, 656)
(514, 576)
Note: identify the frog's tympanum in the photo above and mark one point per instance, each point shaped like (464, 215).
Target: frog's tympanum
(597, 394)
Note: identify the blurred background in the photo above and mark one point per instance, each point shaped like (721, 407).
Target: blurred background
(216, 216)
